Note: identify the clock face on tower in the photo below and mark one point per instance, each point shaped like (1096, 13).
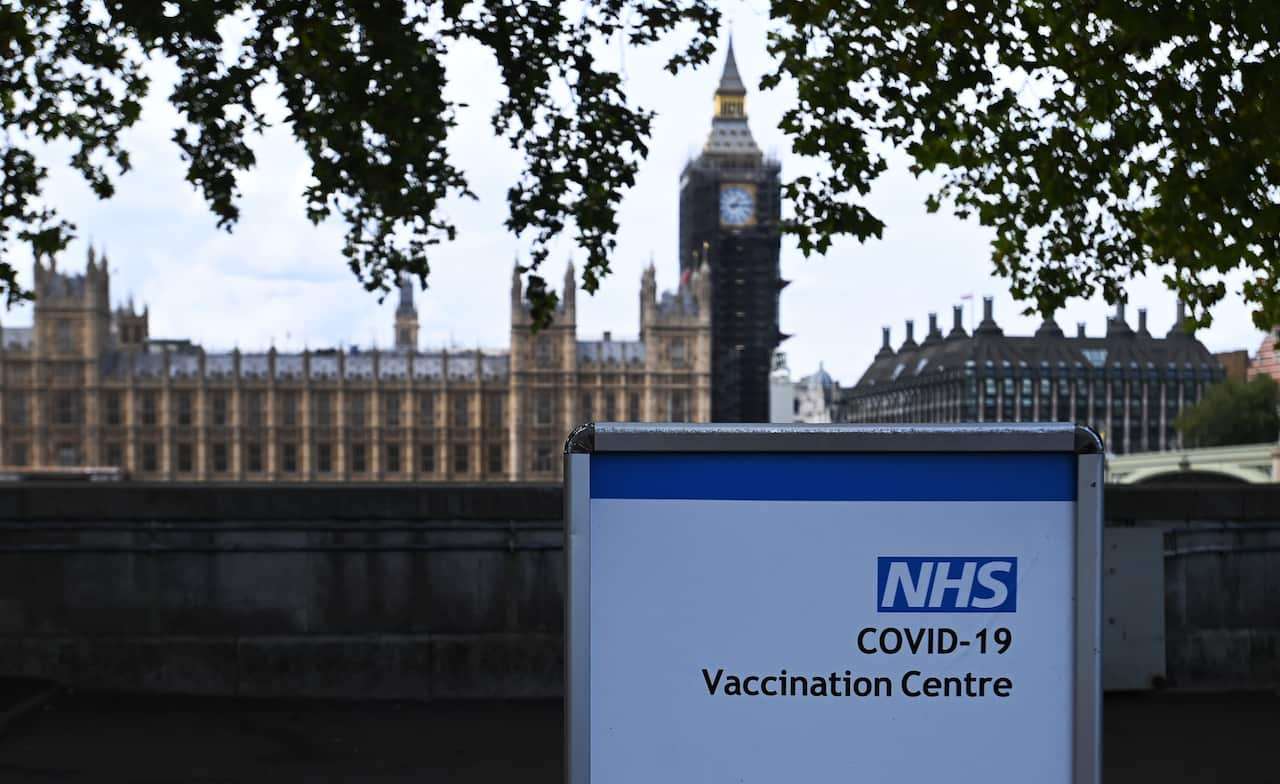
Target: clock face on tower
(737, 205)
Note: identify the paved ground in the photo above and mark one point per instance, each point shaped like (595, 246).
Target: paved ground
(1167, 738)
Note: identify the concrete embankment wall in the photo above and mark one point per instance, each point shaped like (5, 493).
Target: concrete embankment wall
(450, 591)
(396, 592)
(1221, 578)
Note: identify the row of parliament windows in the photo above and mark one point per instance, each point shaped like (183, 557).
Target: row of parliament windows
(68, 408)
(678, 408)
(288, 458)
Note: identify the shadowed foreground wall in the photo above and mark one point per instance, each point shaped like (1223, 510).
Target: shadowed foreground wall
(1221, 578)
(405, 592)
(423, 592)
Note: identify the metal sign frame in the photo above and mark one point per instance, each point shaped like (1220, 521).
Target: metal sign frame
(598, 438)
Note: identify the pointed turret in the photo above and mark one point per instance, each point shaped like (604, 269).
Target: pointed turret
(517, 289)
(570, 293)
(730, 80)
(406, 317)
(730, 134)
(406, 296)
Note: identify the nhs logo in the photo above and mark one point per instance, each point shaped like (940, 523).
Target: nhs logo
(947, 585)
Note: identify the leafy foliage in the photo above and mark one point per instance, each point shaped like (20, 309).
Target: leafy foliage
(1233, 412)
(1099, 140)
(363, 84)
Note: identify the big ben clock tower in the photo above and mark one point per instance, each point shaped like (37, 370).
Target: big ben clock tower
(729, 211)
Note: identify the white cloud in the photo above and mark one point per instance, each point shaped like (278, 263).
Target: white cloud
(279, 279)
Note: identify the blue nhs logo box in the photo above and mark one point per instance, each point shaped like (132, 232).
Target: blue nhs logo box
(930, 584)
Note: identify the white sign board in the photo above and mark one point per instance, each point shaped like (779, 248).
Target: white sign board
(836, 604)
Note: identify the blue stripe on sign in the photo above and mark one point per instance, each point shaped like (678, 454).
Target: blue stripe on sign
(1036, 476)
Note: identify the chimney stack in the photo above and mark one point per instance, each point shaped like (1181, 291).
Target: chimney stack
(1142, 321)
(1116, 325)
(910, 342)
(957, 322)
(885, 349)
(1179, 327)
(1079, 329)
(988, 325)
(935, 334)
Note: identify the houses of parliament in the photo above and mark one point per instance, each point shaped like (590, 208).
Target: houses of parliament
(87, 386)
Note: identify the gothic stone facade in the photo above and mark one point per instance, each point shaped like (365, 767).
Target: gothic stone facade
(1129, 385)
(86, 385)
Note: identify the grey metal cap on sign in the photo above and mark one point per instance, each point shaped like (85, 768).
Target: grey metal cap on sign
(961, 437)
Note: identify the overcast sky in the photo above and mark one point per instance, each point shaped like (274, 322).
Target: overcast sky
(279, 280)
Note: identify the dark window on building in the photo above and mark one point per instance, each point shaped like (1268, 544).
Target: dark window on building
(679, 356)
(1064, 400)
(66, 407)
(183, 406)
(16, 408)
(112, 411)
(587, 413)
(680, 406)
(358, 462)
(324, 458)
(493, 411)
(542, 407)
(251, 403)
(392, 461)
(427, 458)
(289, 404)
(542, 353)
(426, 409)
(68, 455)
(610, 407)
(542, 458)
(461, 455)
(633, 407)
(184, 459)
(18, 454)
(150, 457)
(357, 409)
(461, 410)
(495, 458)
(391, 409)
(289, 458)
(322, 408)
(220, 458)
(253, 459)
(63, 336)
(113, 455)
(218, 407)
